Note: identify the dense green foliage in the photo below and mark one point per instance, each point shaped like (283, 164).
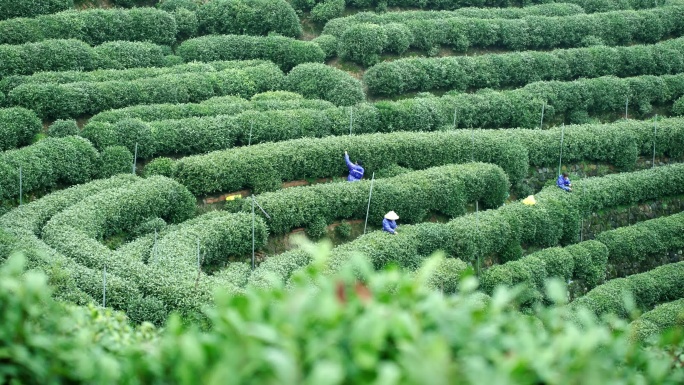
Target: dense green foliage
(517, 69)
(661, 284)
(62, 128)
(413, 196)
(571, 102)
(532, 32)
(93, 26)
(17, 127)
(588, 261)
(71, 100)
(319, 81)
(554, 219)
(62, 77)
(442, 337)
(248, 17)
(264, 167)
(663, 317)
(28, 58)
(513, 5)
(270, 164)
(114, 160)
(643, 242)
(284, 51)
(220, 105)
(30, 8)
(47, 164)
(338, 26)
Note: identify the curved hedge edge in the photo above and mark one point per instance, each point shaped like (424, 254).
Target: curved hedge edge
(445, 189)
(655, 322)
(648, 289)
(264, 167)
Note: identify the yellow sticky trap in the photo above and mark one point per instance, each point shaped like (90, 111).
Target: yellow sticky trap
(529, 201)
(233, 197)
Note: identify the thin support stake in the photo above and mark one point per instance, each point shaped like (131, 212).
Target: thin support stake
(254, 201)
(626, 106)
(370, 193)
(253, 231)
(655, 132)
(21, 193)
(477, 228)
(455, 112)
(560, 158)
(104, 286)
(198, 254)
(351, 119)
(251, 126)
(135, 157)
(541, 124)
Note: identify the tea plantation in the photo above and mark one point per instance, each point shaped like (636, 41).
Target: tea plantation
(174, 203)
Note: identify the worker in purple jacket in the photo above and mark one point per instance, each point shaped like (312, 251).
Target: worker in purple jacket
(564, 182)
(355, 169)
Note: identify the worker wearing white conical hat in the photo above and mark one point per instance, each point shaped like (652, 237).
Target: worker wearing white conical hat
(389, 224)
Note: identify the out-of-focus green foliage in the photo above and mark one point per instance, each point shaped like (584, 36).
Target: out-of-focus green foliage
(355, 328)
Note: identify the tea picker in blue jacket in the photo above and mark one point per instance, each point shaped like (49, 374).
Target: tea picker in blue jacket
(564, 182)
(389, 224)
(355, 169)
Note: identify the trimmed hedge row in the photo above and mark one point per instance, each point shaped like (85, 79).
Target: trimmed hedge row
(25, 59)
(220, 105)
(264, 167)
(364, 42)
(30, 8)
(662, 284)
(284, 51)
(554, 219)
(248, 17)
(337, 27)
(445, 190)
(93, 26)
(588, 5)
(270, 164)
(655, 322)
(320, 81)
(18, 126)
(567, 101)
(73, 282)
(620, 246)
(72, 100)
(221, 235)
(79, 228)
(75, 232)
(644, 241)
(103, 75)
(586, 261)
(47, 164)
(518, 69)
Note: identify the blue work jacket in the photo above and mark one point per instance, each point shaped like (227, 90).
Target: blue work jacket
(355, 171)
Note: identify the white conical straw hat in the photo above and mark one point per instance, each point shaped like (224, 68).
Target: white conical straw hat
(392, 216)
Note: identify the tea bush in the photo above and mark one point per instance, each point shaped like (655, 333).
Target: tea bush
(47, 164)
(654, 322)
(62, 128)
(248, 17)
(413, 195)
(93, 26)
(320, 81)
(284, 51)
(18, 126)
(31, 8)
(518, 69)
